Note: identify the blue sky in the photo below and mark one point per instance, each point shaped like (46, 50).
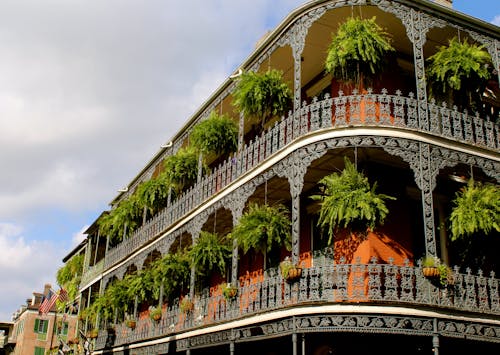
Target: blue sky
(90, 90)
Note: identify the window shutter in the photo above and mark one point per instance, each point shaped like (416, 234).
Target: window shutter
(45, 324)
(37, 322)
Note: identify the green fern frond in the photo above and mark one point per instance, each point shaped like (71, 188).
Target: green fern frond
(476, 208)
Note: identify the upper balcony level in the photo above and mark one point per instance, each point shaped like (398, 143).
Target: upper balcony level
(381, 114)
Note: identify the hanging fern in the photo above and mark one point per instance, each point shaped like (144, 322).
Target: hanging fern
(476, 208)
(127, 214)
(181, 169)
(459, 71)
(217, 134)
(69, 275)
(210, 252)
(262, 95)
(348, 200)
(359, 48)
(173, 272)
(262, 228)
(153, 194)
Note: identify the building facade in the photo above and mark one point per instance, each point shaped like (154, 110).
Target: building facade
(354, 294)
(40, 334)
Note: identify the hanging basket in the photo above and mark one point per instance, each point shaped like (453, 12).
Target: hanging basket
(431, 272)
(131, 323)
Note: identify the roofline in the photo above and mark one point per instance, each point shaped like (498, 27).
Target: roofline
(426, 5)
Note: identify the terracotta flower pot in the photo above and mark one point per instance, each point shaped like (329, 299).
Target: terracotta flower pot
(430, 271)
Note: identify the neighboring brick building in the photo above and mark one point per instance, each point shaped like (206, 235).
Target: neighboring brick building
(34, 333)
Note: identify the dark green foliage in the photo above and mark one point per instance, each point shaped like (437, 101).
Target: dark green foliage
(358, 50)
(181, 169)
(217, 134)
(69, 275)
(348, 200)
(153, 194)
(476, 209)
(459, 70)
(263, 227)
(262, 95)
(128, 213)
(173, 271)
(140, 284)
(210, 252)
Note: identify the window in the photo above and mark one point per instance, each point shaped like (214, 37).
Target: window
(62, 328)
(41, 325)
(41, 328)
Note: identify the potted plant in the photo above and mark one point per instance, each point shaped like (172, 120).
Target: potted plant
(155, 313)
(262, 95)
(209, 253)
(186, 305)
(459, 71)
(153, 194)
(181, 169)
(430, 267)
(229, 291)
(92, 333)
(218, 134)
(435, 270)
(475, 210)
(349, 201)
(131, 323)
(263, 227)
(358, 51)
(172, 271)
(122, 220)
(290, 271)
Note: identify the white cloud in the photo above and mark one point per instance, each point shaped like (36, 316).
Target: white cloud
(79, 236)
(90, 90)
(496, 20)
(26, 267)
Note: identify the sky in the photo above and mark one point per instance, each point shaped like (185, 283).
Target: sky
(89, 90)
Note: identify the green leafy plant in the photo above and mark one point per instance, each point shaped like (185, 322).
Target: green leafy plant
(263, 227)
(173, 272)
(348, 201)
(131, 323)
(210, 252)
(358, 50)
(229, 291)
(186, 305)
(155, 313)
(459, 71)
(153, 194)
(122, 220)
(289, 270)
(181, 169)
(218, 134)
(262, 95)
(434, 268)
(476, 209)
(140, 284)
(69, 275)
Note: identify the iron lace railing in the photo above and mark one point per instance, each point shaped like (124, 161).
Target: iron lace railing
(323, 283)
(367, 109)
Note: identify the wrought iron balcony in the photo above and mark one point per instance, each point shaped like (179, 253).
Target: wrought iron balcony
(324, 283)
(92, 272)
(356, 110)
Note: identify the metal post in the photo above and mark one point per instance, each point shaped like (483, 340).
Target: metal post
(294, 343)
(303, 344)
(435, 338)
(231, 348)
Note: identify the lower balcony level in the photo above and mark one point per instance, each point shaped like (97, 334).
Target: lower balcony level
(329, 297)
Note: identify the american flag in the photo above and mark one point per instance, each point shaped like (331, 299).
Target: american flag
(48, 302)
(63, 295)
